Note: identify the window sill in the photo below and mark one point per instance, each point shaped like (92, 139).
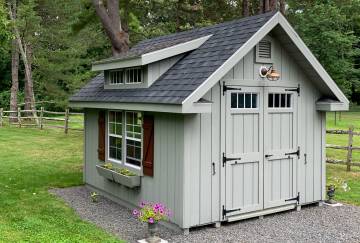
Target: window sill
(128, 181)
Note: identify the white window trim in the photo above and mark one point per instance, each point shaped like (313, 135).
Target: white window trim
(125, 77)
(134, 139)
(282, 109)
(114, 135)
(234, 110)
(123, 162)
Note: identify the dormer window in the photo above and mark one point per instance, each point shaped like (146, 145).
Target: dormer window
(132, 75)
(116, 77)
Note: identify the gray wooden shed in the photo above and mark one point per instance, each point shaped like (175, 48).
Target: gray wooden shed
(220, 123)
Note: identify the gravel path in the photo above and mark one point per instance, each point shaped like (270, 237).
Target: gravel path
(311, 224)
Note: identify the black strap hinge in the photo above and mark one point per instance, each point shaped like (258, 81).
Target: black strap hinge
(297, 199)
(226, 88)
(297, 90)
(224, 211)
(294, 153)
(225, 159)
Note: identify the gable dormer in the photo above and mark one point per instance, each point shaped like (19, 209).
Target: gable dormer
(140, 70)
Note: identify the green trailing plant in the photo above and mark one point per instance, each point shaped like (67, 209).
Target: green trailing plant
(121, 171)
(339, 184)
(125, 172)
(94, 197)
(108, 166)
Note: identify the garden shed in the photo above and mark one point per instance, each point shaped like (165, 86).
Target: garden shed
(220, 123)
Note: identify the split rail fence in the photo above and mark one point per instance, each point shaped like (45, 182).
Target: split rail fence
(350, 148)
(41, 118)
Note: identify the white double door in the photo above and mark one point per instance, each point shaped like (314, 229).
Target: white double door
(260, 157)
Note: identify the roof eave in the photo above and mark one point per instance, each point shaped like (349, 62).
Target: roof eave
(150, 57)
(151, 107)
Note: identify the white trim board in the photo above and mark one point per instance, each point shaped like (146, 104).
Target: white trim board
(150, 57)
(277, 19)
(194, 108)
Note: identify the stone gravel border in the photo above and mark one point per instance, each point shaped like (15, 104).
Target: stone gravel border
(311, 224)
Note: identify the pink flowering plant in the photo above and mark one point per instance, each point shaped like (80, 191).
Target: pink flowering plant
(151, 212)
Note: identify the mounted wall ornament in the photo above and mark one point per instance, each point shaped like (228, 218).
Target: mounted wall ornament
(269, 72)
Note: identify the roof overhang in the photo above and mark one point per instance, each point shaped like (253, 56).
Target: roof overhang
(197, 107)
(331, 105)
(277, 20)
(150, 57)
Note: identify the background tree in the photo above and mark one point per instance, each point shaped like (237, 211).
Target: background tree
(331, 32)
(110, 18)
(14, 71)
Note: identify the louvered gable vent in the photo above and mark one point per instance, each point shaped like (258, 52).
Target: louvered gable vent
(265, 49)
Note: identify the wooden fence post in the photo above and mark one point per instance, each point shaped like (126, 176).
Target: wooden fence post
(1, 116)
(41, 117)
(66, 120)
(19, 116)
(350, 144)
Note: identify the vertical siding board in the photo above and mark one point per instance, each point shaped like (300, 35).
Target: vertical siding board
(215, 156)
(171, 163)
(239, 70)
(179, 169)
(249, 65)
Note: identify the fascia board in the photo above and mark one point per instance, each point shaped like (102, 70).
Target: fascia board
(173, 50)
(151, 56)
(196, 108)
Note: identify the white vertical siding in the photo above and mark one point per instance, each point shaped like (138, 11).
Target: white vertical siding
(202, 148)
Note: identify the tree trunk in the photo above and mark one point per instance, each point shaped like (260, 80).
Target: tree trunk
(266, 5)
(282, 6)
(29, 84)
(14, 77)
(261, 6)
(273, 5)
(110, 20)
(24, 50)
(245, 8)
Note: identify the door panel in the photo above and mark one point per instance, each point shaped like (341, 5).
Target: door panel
(261, 129)
(244, 177)
(280, 138)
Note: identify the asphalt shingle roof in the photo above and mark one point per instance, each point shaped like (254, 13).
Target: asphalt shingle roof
(175, 85)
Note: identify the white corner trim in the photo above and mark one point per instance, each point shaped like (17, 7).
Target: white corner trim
(231, 62)
(173, 50)
(312, 60)
(151, 56)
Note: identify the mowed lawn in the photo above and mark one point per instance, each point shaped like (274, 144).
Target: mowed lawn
(339, 171)
(31, 162)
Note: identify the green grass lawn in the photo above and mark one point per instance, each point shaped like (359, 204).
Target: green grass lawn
(339, 171)
(31, 162)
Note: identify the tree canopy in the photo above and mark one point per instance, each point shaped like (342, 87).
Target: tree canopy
(67, 36)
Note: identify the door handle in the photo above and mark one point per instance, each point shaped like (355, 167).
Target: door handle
(268, 155)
